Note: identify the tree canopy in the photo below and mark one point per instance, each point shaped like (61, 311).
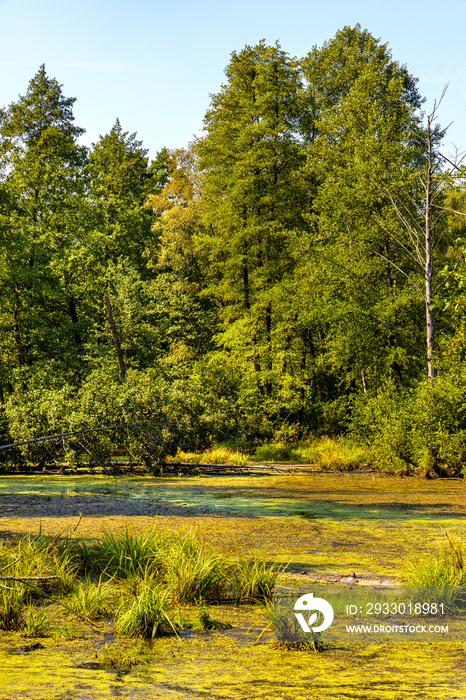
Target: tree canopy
(299, 264)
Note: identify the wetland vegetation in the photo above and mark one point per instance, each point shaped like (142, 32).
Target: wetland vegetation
(132, 565)
(288, 288)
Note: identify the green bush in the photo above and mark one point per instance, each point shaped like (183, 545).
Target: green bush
(421, 429)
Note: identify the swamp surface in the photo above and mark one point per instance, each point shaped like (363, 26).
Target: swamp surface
(312, 525)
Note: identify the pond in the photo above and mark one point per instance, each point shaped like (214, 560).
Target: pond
(368, 524)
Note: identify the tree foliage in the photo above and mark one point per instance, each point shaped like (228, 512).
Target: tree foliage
(255, 202)
(273, 275)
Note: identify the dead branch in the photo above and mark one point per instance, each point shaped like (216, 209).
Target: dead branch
(83, 619)
(78, 432)
(27, 578)
(390, 262)
(8, 565)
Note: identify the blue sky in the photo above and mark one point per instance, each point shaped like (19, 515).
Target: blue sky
(153, 64)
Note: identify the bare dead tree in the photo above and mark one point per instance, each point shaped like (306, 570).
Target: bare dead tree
(419, 219)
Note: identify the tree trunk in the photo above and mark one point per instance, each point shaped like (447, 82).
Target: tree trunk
(74, 317)
(364, 383)
(428, 260)
(116, 340)
(268, 332)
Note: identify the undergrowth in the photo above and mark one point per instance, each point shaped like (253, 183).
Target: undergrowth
(340, 454)
(221, 454)
(438, 576)
(328, 453)
(137, 578)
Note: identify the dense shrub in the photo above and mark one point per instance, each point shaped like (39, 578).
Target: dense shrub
(419, 429)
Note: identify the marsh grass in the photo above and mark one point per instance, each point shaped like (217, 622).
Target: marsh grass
(41, 556)
(11, 609)
(438, 577)
(193, 572)
(328, 453)
(35, 622)
(254, 580)
(291, 638)
(446, 567)
(90, 599)
(217, 455)
(142, 576)
(148, 616)
(127, 555)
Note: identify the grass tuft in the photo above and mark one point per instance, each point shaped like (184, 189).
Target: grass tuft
(148, 615)
(127, 555)
(35, 622)
(446, 567)
(254, 580)
(438, 577)
(11, 609)
(193, 572)
(90, 599)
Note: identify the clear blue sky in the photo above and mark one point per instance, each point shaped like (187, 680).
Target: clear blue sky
(153, 64)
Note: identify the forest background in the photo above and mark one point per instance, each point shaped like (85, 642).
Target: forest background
(296, 271)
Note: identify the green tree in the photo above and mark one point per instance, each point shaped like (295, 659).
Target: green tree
(367, 123)
(255, 202)
(40, 171)
(119, 181)
(190, 312)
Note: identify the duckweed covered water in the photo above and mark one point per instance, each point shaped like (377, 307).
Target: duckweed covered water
(344, 496)
(315, 523)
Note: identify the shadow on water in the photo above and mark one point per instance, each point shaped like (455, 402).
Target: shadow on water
(61, 497)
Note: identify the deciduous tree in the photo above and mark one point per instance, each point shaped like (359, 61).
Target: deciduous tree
(255, 202)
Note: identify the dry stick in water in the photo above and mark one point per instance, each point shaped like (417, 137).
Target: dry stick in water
(26, 580)
(458, 554)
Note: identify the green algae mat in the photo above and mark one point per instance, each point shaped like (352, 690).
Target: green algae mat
(313, 525)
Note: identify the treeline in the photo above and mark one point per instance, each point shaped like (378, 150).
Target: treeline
(297, 270)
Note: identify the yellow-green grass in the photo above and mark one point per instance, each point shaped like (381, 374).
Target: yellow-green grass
(217, 455)
(338, 454)
(327, 453)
